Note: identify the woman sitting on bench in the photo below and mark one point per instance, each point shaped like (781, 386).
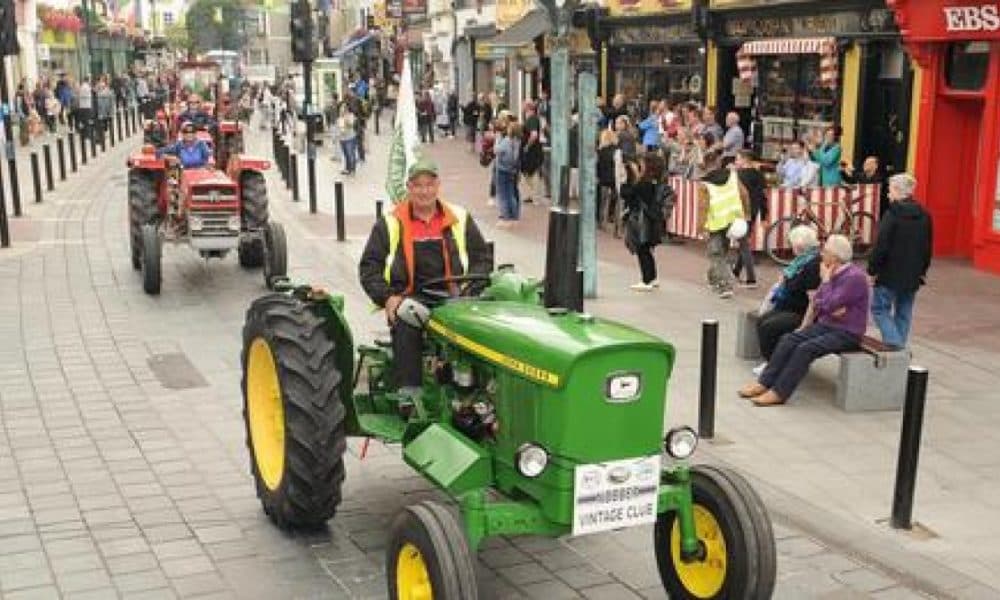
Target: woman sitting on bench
(790, 297)
(834, 322)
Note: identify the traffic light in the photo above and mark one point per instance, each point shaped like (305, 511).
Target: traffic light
(8, 29)
(303, 44)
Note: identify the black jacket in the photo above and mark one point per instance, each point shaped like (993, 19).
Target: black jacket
(902, 253)
(795, 297)
(428, 259)
(753, 180)
(606, 165)
(644, 205)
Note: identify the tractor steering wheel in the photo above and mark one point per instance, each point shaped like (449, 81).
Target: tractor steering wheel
(464, 282)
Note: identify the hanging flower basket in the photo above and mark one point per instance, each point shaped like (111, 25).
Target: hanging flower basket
(58, 19)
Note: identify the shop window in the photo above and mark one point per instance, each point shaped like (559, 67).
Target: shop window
(792, 101)
(646, 73)
(967, 65)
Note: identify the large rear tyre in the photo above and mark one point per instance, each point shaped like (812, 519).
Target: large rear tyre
(776, 240)
(737, 559)
(275, 253)
(151, 259)
(293, 414)
(428, 557)
(253, 191)
(141, 210)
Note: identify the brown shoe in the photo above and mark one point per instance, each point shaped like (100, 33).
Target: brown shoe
(752, 390)
(768, 399)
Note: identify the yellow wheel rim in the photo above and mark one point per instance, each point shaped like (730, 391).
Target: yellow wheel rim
(702, 578)
(413, 582)
(265, 414)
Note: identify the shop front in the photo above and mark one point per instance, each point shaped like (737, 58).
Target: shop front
(956, 43)
(791, 70)
(652, 52)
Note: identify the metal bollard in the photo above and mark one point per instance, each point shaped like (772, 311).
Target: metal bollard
(72, 151)
(36, 177)
(83, 147)
(118, 120)
(378, 209)
(338, 209)
(61, 154)
(909, 449)
(709, 373)
(93, 140)
(311, 177)
(293, 176)
(491, 249)
(47, 158)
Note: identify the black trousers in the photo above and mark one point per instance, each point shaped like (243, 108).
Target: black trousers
(772, 326)
(407, 351)
(647, 264)
(797, 350)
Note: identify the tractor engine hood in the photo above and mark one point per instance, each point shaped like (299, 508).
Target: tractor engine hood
(531, 341)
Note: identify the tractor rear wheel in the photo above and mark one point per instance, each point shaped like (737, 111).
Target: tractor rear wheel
(253, 190)
(428, 556)
(151, 259)
(293, 413)
(141, 210)
(275, 253)
(737, 556)
(251, 251)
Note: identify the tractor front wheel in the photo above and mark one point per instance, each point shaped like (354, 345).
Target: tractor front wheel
(141, 210)
(251, 251)
(292, 410)
(275, 253)
(428, 557)
(736, 557)
(151, 259)
(253, 190)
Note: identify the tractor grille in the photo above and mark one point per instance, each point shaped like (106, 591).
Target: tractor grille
(213, 196)
(213, 224)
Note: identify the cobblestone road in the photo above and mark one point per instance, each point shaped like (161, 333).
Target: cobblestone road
(123, 469)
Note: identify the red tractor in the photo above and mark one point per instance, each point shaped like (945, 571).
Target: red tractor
(212, 210)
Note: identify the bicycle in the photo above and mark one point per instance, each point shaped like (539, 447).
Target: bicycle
(856, 225)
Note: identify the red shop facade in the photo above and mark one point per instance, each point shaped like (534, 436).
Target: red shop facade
(957, 153)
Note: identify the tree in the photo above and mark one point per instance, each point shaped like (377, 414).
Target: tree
(177, 38)
(214, 24)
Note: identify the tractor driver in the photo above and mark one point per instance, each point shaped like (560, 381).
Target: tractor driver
(195, 113)
(423, 238)
(190, 151)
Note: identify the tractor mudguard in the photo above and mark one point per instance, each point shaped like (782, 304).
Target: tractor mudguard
(240, 163)
(147, 162)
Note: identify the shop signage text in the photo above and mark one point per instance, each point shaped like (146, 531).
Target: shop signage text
(836, 23)
(652, 34)
(972, 18)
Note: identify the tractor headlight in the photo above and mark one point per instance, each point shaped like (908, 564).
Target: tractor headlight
(680, 442)
(234, 223)
(623, 387)
(531, 460)
(195, 223)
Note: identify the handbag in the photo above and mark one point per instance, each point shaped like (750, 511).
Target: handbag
(768, 303)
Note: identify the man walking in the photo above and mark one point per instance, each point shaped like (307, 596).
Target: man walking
(899, 261)
(723, 200)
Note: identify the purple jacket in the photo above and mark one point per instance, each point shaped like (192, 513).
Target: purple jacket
(847, 289)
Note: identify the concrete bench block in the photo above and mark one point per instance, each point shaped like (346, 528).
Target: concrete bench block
(747, 343)
(868, 382)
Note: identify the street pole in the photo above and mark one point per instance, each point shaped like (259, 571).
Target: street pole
(15, 190)
(87, 26)
(310, 143)
(586, 84)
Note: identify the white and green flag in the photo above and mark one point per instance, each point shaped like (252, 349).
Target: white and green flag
(405, 140)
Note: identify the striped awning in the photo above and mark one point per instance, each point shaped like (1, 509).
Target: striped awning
(826, 47)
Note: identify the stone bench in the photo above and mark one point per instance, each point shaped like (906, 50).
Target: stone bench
(872, 378)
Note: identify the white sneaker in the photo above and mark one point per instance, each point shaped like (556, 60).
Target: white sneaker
(641, 287)
(726, 294)
(759, 369)
(655, 283)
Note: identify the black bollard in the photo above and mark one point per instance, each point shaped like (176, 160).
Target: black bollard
(72, 151)
(36, 177)
(378, 210)
(93, 140)
(311, 177)
(47, 158)
(709, 372)
(561, 254)
(376, 122)
(61, 155)
(338, 209)
(83, 147)
(293, 176)
(491, 250)
(909, 449)
(118, 120)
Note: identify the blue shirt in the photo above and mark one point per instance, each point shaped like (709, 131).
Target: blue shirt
(650, 128)
(191, 156)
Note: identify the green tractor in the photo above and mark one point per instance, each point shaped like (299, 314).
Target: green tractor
(533, 420)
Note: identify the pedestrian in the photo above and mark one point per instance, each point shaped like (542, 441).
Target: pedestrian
(531, 153)
(870, 173)
(452, 107)
(641, 196)
(900, 260)
(723, 202)
(626, 138)
(827, 155)
(734, 139)
(753, 180)
(788, 298)
(508, 148)
(795, 169)
(608, 156)
(105, 108)
(470, 118)
(711, 125)
(348, 139)
(650, 128)
(834, 322)
(425, 118)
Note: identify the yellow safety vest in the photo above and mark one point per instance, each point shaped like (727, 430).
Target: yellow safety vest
(724, 204)
(457, 230)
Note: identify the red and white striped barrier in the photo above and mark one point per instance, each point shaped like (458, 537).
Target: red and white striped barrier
(782, 202)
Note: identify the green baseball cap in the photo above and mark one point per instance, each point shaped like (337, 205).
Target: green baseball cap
(423, 165)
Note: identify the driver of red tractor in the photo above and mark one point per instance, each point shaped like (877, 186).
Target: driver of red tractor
(196, 114)
(190, 151)
(155, 131)
(422, 239)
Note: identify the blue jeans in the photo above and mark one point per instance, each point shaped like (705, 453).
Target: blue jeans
(349, 148)
(892, 312)
(507, 200)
